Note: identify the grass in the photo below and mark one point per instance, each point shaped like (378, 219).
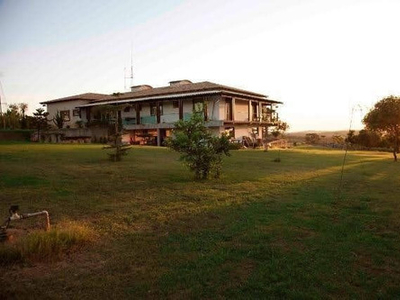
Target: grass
(45, 245)
(264, 230)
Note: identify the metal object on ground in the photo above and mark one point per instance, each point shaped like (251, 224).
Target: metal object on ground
(15, 216)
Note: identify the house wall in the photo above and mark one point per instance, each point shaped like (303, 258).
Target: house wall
(241, 110)
(170, 114)
(69, 106)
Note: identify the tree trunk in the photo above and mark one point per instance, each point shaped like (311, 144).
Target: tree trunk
(396, 148)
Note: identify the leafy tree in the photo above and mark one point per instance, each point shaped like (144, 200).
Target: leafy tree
(312, 138)
(280, 129)
(384, 118)
(13, 117)
(40, 117)
(368, 138)
(199, 148)
(351, 137)
(22, 108)
(338, 139)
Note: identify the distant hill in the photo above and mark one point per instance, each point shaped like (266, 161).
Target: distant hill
(326, 136)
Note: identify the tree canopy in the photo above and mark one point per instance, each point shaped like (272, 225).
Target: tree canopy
(199, 148)
(384, 118)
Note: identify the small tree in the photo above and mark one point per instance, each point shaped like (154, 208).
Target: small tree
(199, 148)
(384, 118)
(113, 113)
(40, 121)
(58, 120)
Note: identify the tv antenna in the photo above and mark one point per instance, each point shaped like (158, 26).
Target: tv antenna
(131, 73)
(1, 104)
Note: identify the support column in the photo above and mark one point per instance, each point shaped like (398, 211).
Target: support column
(158, 112)
(137, 109)
(158, 137)
(180, 109)
(250, 113)
(233, 109)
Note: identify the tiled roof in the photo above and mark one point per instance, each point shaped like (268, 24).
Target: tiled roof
(87, 96)
(178, 90)
(184, 88)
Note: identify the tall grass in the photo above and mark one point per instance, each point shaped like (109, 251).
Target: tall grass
(47, 245)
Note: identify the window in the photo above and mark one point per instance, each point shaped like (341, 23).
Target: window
(199, 106)
(153, 109)
(65, 115)
(228, 106)
(254, 109)
(76, 112)
(175, 104)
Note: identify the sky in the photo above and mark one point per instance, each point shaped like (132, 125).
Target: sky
(328, 61)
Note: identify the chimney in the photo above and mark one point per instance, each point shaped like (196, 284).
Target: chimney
(179, 82)
(143, 87)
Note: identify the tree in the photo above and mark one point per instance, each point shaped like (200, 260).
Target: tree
(22, 108)
(58, 120)
(384, 118)
(113, 117)
(368, 138)
(13, 117)
(280, 129)
(312, 138)
(40, 121)
(338, 139)
(351, 137)
(199, 148)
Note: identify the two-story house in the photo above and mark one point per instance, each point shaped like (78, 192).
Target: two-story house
(148, 114)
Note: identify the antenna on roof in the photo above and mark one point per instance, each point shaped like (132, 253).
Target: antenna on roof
(1, 107)
(131, 72)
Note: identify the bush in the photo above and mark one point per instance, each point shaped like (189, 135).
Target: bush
(200, 149)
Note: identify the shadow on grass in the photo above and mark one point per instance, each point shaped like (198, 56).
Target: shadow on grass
(263, 230)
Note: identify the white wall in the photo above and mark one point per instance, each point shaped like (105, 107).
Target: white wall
(52, 109)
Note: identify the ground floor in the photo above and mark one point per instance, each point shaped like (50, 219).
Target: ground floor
(155, 135)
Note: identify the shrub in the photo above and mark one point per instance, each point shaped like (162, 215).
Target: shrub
(199, 148)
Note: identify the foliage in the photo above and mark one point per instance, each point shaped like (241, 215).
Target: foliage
(40, 120)
(312, 138)
(58, 120)
(280, 128)
(14, 117)
(338, 139)
(113, 117)
(199, 148)
(384, 118)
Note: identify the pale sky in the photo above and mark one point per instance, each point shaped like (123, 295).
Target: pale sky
(320, 57)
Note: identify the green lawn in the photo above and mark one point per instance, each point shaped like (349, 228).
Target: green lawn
(264, 230)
